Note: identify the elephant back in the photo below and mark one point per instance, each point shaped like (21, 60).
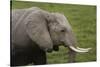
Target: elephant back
(18, 15)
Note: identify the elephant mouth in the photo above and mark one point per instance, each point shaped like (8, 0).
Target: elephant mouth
(73, 48)
(56, 48)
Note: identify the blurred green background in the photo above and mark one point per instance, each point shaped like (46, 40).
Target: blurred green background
(83, 21)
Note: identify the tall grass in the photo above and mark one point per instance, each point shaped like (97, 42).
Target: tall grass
(83, 21)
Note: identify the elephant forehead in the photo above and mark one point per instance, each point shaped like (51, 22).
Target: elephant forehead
(61, 19)
(63, 22)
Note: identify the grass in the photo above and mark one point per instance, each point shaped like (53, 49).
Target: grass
(83, 21)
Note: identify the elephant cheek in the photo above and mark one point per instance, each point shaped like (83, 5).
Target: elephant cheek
(70, 40)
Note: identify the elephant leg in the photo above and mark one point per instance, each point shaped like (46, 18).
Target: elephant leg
(72, 56)
(21, 59)
(40, 57)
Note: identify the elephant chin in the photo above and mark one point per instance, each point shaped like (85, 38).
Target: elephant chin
(79, 50)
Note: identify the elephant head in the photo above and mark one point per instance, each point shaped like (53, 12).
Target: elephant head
(51, 29)
(61, 33)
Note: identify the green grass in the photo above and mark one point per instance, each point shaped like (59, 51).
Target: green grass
(83, 21)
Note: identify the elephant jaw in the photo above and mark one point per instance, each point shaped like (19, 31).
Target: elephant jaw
(79, 50)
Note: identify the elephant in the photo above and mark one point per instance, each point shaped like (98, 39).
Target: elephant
(35, 31)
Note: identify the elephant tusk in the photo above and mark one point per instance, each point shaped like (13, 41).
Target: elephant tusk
(84, 49)
(77, 50)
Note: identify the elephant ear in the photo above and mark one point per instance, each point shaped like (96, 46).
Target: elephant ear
(37, 30)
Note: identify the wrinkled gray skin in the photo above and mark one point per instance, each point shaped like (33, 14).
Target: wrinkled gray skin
(35, 31)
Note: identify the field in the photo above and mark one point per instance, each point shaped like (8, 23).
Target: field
(83, 21)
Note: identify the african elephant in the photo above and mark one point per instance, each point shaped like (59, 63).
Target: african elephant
(35, 31)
